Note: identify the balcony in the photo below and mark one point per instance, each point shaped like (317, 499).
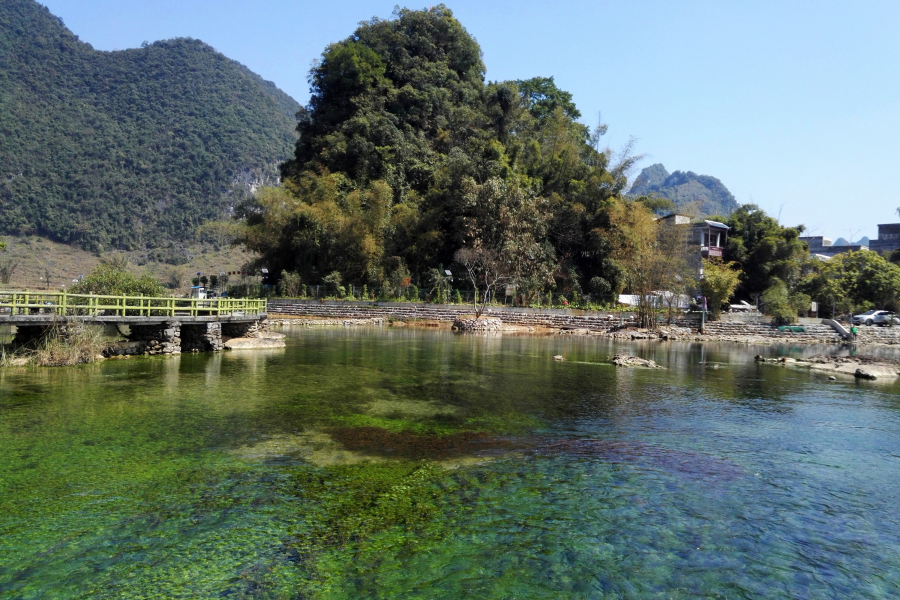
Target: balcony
(711, 251)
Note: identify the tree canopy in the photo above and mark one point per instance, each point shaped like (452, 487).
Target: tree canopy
(406, 155)
(764, 250)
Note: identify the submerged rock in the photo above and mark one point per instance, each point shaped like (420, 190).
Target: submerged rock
(250, 343)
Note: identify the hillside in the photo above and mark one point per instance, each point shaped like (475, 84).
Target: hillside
(127, 149)
(707, 195)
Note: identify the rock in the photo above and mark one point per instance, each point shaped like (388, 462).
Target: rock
(860, 374)
(832, 378)
(625, 360)
(759, 358)
(250, 343)
(482, 324)
(559, 357)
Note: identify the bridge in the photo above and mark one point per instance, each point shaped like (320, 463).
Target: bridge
(155, 325)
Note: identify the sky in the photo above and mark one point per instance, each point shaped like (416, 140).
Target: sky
(793, 105)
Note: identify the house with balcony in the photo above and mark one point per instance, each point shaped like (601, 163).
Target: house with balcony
(710, 237)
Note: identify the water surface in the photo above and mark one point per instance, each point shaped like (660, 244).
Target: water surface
(408, 463)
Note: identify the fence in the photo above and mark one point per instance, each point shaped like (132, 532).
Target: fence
(65, 304)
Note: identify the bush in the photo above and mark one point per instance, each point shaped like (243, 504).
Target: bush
(289, 285)
(107, 280)
(777, 303)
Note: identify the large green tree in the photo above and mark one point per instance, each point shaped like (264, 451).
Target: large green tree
(765, 251)
(853, 281)
(400, 128)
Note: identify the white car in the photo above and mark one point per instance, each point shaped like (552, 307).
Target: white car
(876, 317)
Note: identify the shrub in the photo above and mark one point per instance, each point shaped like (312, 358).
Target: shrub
(109, 281)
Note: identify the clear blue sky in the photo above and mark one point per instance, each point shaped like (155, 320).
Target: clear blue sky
(795, 106)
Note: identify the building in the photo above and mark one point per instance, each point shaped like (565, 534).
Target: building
(820, 246)
(888, 238)
(710, 236)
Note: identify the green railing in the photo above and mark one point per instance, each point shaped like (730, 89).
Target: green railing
(65, 304)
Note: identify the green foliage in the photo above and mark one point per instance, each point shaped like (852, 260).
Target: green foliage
(766, 252)
(403, 151)
(333, 283)
(719, 281)
(130, 148)
(851, 281)
(777, 303)
(110, 281)
(289, 285)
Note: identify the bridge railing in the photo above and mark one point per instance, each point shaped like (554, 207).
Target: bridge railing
(66, 304)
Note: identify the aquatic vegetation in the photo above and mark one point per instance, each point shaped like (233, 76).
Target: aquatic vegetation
(413, 464)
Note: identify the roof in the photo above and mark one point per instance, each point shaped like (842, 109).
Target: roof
(716, 224)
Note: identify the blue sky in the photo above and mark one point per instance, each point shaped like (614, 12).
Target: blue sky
(795, 106)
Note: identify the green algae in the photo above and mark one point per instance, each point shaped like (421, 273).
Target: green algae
(361, 464)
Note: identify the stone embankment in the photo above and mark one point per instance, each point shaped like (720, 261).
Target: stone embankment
(764, 333)
(562, 319)
(572, 322)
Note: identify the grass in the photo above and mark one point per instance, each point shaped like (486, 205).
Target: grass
(64, 344)
(37, 258)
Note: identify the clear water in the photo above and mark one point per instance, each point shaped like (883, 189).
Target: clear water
(402, 463)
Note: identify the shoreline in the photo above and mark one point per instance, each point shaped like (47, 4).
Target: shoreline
(663, 333)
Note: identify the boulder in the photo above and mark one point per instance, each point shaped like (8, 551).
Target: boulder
(860, 374)
(473, 324)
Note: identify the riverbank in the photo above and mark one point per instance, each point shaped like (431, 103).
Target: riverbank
(549, 321)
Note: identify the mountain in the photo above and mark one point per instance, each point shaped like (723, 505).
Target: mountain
(127, 149)
(682, 188)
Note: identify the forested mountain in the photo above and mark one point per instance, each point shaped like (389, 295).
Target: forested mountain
(701, 194)
(132, 148)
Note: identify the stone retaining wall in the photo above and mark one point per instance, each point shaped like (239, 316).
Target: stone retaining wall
(553, 318)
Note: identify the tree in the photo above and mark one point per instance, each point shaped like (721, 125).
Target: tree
(289, 285)
(765, 251)
(485, 269)
(719, 281)
(654, 258)
(851, 281)
(406, 156)
(7, 265)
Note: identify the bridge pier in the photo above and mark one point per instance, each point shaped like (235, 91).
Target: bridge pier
(161, 338)
(201, 337)
(25, 334)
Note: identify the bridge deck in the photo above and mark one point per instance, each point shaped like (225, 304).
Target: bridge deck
(137, 320)
(35, 308)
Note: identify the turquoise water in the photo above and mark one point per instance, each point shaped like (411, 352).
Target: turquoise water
(410, 463)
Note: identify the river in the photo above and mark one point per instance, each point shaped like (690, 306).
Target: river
(412, 463)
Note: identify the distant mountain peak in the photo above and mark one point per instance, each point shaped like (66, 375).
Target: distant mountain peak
(705, 193)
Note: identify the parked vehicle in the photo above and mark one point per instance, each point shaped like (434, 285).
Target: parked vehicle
(876, 317)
